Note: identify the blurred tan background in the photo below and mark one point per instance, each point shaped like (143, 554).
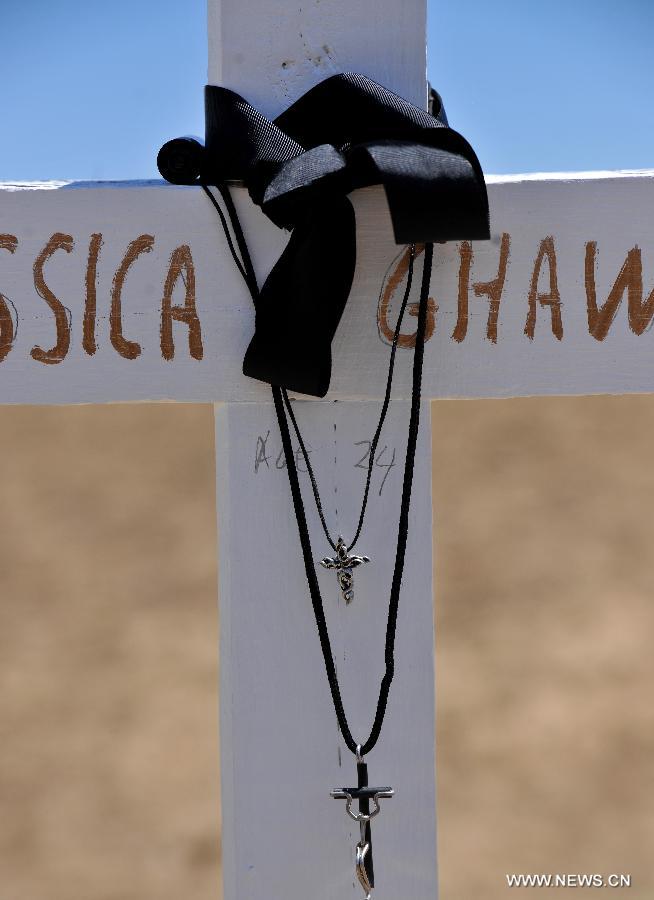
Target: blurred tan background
(108, 633)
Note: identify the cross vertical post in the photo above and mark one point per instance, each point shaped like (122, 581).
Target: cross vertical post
(281, 750)
(280, 745)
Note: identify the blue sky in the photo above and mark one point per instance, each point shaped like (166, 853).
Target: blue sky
(91, 89)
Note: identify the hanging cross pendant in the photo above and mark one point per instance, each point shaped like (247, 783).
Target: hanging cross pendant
(344, 565)
(364, 794)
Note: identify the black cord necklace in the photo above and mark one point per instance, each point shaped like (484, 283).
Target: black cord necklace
(346, 132)
(363, 793)
(375, 440)
(343, 562)
(401, 540)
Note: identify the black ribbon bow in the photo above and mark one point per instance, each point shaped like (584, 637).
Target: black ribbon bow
(347, 132)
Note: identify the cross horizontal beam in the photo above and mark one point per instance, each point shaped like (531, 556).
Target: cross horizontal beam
(127, 292)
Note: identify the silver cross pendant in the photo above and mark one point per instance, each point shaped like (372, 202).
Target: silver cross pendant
(364, 794)
(343, 563)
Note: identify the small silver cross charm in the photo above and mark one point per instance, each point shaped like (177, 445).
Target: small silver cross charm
(344, 565)
(363, 862)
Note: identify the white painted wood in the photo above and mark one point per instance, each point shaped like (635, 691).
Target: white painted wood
(283, 836)
(81, 322)
(569, 176)
(612, 211)
(271, 53)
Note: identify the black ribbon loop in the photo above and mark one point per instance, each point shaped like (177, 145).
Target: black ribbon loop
(345, 133)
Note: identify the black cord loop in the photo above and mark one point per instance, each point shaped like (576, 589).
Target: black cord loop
(282, 405)
(345, 133)
(305, 541)
(378, 430)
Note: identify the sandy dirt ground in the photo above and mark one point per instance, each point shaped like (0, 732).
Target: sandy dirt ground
(109, 785)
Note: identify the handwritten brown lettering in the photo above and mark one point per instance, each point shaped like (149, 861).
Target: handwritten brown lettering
(58, 241)
(492, 289)
(181, 265)
(630, 279)
(392, 284)
(179, 300)
(551, 298)
(127, 349)
(465, 264)
(8, 242)
(7, 330)
(90, 303)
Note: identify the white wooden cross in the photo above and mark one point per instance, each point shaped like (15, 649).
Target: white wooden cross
(126, 292)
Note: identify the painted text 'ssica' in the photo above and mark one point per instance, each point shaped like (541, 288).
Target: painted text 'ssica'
(542, 292)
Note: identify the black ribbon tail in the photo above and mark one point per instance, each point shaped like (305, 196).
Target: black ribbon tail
(302, 300)
(345, 133)
(434, 194)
